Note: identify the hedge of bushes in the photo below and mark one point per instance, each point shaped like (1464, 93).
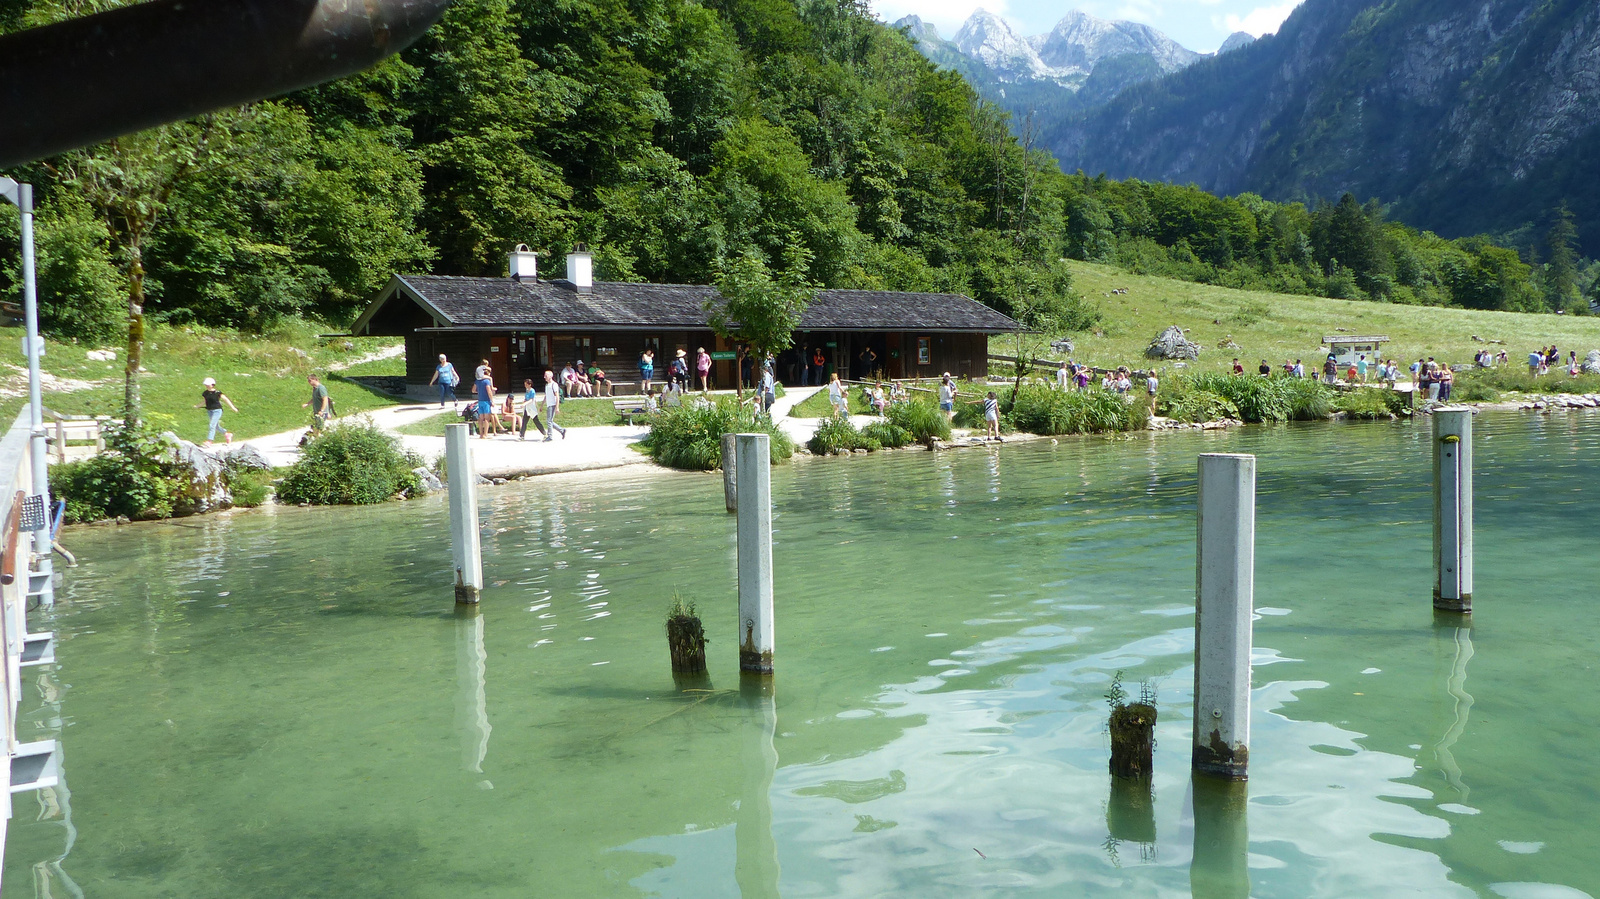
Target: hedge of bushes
(690, 436)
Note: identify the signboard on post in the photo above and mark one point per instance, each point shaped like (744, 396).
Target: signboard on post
(724, 355)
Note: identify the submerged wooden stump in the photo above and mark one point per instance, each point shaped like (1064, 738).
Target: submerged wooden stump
(686, 640)
(1131, 810)
(1133, 739)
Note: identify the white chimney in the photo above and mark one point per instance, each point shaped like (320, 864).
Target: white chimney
(580, 268)
(524, 264)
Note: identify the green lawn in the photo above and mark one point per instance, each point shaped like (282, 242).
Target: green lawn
(817, 405)
(263, 376)
(1277, 326)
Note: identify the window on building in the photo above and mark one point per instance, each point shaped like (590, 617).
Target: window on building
(924, 350)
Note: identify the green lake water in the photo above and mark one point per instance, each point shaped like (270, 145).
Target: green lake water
(285, 704)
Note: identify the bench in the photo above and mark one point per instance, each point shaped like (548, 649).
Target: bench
(629, 406)
(80, 429)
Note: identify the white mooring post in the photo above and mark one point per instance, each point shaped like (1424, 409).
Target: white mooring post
(1452, 509)
(730, 473)
(755, 553)
(464, 548)
(1225, 564)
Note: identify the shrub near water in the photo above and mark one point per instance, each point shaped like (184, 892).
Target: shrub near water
(1041, 410)
(888, 434)
(1261, 399)
(839, 435)
(350, 463)
(921, 419)
(1371, 403)
(1180, 400)
(690, 436)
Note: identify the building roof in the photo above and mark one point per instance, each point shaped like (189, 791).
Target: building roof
(477, 304)
(1330, 341)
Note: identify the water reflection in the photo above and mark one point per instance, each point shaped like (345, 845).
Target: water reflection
(1220, 867)
(1131, 818)
(756, 867)
(1455, 638)
(472, 704)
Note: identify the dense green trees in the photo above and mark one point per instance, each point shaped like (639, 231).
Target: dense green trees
(672, 137)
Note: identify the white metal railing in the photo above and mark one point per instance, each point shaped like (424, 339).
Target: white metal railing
(25, 575)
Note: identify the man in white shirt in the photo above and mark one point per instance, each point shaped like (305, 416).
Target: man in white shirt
(552, 405)
(1063, 377)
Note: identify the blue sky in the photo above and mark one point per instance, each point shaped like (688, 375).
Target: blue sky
(1197, 24)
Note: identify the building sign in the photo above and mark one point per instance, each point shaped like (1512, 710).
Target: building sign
(724, 355)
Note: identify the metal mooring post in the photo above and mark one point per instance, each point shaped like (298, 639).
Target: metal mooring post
(33, 347)
(755, 553)
(1224, 602)
(1452, 509)
(464, 547)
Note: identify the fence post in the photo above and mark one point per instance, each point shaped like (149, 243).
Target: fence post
(1452, 509)
(464, 547)
(755, 554)
(1224, 600)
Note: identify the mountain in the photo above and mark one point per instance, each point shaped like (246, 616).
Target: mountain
(1235, 41)
(1465, 116)
(1081, 62)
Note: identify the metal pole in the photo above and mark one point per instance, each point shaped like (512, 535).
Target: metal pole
(33, 346)
(755, 554)
(1452, 509)
(464, 547)
(1224, 603)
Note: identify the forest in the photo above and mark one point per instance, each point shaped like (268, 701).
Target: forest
(671, 137)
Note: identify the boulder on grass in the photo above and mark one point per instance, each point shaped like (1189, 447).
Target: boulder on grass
(1171, 344)
(1591, 363)
(243, 455)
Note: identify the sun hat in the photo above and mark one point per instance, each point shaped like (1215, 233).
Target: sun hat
(682, 353)
(209, 382)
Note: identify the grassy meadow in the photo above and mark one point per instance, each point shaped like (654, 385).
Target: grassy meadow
(1275, 326)
(263, 376)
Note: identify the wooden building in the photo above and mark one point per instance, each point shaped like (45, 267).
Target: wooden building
(523, 326)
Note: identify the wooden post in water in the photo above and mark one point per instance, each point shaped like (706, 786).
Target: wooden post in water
(730, 473)
(1224, 602)
(1452, 509)
(464, 547)
(755, 553)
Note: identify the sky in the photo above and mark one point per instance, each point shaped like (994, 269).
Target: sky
(1197, 24)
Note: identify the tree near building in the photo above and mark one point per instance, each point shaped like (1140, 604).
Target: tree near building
(758, 307)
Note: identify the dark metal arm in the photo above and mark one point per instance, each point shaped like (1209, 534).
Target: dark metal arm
(86, 80)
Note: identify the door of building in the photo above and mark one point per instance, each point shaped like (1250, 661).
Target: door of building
(500, 362)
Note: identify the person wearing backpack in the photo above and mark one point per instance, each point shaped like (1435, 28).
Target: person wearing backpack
(447, 379)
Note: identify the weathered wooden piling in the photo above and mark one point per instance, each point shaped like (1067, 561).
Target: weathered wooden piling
(1133, 740)
(755, 553)
(730, 473)
(1452, 509)
(1220, 866)
(686, 638)
(1224, 603)
(1131, 810)
(464, 547)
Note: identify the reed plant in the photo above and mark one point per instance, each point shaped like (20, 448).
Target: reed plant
(839, 435)
(921, 418)
(1042, 410)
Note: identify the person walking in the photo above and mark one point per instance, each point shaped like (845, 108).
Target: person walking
(991, 416)
(947, 397)
(1152, 386)
(484, 388)
(1063, 377)
(819, 365)
(1361, 367)
(444, 374)
(838, 397)
(321, 404)
(647, 369)
(530, 410)
(678, 372)
(702, 369)
(211, 400)
(552, 406)
(769, 389)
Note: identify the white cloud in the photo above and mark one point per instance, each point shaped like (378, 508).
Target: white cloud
(1262, 19)
(946, 15)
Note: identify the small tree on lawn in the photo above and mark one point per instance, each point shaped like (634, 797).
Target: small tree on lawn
(757, 307)
(1045, 306)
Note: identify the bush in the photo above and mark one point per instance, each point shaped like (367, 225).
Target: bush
(249, 486)
(920, 419)
(1307, 400)
(888, 434)
(1181, 400)
(350, 463)
(131, 479)
(1370, 403)
(690, 436)
(1042, 410)
(1261, 399)
(838, 434)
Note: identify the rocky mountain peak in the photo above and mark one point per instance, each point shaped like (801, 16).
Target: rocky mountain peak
(991, 40)
(1080, 40)
(1235, 41)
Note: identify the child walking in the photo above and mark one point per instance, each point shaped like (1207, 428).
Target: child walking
(991, 416)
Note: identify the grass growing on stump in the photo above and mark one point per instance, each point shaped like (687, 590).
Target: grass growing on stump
(686, 638)
(1133, 727)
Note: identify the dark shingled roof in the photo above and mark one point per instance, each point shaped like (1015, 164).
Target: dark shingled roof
(482, 303)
